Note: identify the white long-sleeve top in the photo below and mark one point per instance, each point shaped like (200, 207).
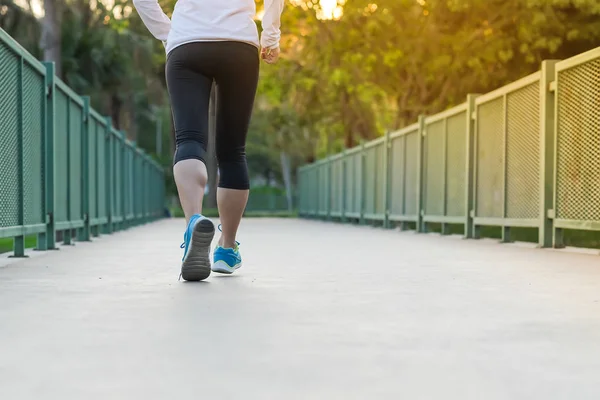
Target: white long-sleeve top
(212, 20)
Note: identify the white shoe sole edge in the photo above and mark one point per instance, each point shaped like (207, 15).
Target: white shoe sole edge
(222, 267)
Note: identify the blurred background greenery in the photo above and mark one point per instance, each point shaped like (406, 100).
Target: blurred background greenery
(350, 69)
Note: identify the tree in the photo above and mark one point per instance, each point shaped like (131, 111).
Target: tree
(50, 41)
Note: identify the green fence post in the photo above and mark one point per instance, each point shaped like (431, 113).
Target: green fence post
(404, 225)
(67, 236)
(420, 226)
(140, 187)
(547, 117)
(363, 186)
(469, 165)
(124, 181)
(84, 234)
(387, 175)
(154, 194)
(19, 240)
(42, 238)
(317, 190)
(108, 168)
(134, 192)
(149, 188)
(344, 185)
(298, 200)
(49, 127)
(506, 237)
(96, 229)
(328, 166)
(445, 226)
(145, 187)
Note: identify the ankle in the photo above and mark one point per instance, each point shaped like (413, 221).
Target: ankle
(226, 244)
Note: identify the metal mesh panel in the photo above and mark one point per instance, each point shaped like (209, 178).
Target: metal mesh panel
(306, 192)
(307, 189)
(120, 177)
(523, 153)
(75, 170)
(101, 165)
(397, 176)
(112, 175)
(490, 144)
(350, 182)
(124, 181)
(412, 174)
(116, 177)
(371, 178)
(146, 187)
(140, 199)
(456, 165)
(132, 181)
(135, 185)
(9, 131)
(323, 186)
(434, 168)
(358, 182)
(578, 166)
(315, 186)
(92, 166)
(33, 102)
(129, 184)
(379, 179)
(61, 148)
(337, 185)
(302, 189)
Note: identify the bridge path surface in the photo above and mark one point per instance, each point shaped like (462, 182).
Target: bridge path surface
(319, 311)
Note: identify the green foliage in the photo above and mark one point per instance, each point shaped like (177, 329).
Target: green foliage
(383, 63)
(339, 81)
(108, 55)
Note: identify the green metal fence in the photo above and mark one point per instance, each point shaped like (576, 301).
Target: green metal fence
(525, 155)
(63, 167)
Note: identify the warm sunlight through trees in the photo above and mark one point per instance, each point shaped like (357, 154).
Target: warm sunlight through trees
(349, 71)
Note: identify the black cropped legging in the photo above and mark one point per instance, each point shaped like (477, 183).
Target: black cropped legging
(190, 71)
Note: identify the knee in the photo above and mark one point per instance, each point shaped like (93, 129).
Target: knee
(189, 146)
(233, 172)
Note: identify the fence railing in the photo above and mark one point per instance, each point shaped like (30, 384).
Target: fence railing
(63, 167)
(525, 155)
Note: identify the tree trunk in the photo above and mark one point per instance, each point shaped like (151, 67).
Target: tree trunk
(50, 41)
(210, 200)
(115, 110)
(287, 179)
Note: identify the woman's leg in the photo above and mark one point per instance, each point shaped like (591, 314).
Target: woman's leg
(189, 92)
(189, 86)
(236, 82)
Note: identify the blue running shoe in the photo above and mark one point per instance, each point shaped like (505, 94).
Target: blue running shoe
(198, 236)
(226, 261)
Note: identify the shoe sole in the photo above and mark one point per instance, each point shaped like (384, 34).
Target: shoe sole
(196, 266)
(222, 268)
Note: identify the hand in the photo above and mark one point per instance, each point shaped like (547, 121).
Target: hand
(270, 55)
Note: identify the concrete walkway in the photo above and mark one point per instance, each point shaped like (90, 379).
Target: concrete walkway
(319, 311)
